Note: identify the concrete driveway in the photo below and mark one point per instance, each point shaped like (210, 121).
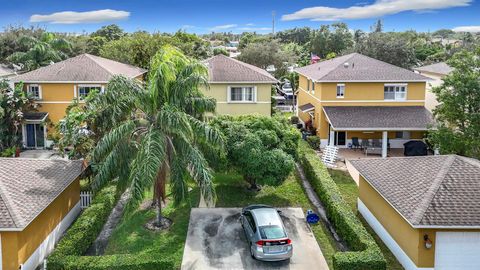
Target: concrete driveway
(216, 241)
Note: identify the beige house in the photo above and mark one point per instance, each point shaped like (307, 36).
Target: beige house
(436, 72)
(425, 209)
(238, 87)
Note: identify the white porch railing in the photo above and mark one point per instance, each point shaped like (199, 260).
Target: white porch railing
(284, 108)
(85, 199)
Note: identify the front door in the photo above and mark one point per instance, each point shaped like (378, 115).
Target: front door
(340, 138)
(35, 135)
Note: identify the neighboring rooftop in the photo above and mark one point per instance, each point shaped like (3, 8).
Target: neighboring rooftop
(379, 117)
(28, 186)
(222, 69)
(358, 67)
(6, 71)
(441, 191)
(441, 68)
(81, 68)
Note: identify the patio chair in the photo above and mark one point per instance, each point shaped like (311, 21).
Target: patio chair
(355, 143)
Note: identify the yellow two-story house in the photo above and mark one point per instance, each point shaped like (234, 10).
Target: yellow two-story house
(55, 86)
(354, 99)
(238, 87)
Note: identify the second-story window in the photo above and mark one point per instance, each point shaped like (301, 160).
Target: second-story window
(34, 91)
(313, 87)
(395, 92)
(241, 94)
(340, 90)
(84, 90)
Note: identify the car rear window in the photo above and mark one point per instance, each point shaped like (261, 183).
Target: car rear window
(272, 232)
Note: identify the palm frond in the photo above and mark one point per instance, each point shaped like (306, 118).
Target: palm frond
(110, 140)
(203, 131)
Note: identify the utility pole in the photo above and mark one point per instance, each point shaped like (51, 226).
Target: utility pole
(273, 22)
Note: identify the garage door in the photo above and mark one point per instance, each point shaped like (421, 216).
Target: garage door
(457, 250)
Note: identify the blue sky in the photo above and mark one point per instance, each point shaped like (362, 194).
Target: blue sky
(199, 16)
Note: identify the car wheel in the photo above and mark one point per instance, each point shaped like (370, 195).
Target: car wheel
(251, 252)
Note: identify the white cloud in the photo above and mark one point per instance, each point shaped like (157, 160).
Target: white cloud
(223, 27)
(250, 24)
(188, 26)
(470, 28)
(73, 17)
(375, 10)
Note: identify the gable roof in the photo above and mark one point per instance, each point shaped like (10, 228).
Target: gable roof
(382, 118)
(223, 69)
(441, 68)
(428, 191)
(28, 186)
(6, 71)
(357, 67)
(81, 68)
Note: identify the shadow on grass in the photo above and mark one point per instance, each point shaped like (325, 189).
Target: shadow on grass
(131, 236)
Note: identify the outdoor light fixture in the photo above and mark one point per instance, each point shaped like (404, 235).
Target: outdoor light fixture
(428, 242)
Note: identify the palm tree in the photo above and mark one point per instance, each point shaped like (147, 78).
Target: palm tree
(40, 52)
(159, 136)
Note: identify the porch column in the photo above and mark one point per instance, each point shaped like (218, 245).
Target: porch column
(384, 143)
(332, 138)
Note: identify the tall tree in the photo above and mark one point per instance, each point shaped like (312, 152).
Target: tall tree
(163, 138)
(109, 32)
(458, 114)
(40, 52)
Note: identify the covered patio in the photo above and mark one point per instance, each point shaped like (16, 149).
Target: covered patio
(376, 130)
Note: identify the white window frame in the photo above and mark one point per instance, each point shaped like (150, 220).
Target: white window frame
(29, 91)
(313, 86)
(398, 95)
(229, 90)
(342, 92)
(80, 97)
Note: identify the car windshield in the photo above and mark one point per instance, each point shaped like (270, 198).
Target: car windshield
(272, 232)
(287, 85)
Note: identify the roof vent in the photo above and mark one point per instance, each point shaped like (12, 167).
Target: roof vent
(346, 64)
(353, 65)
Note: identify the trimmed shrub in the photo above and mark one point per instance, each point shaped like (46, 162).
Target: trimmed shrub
(365, 254)
(68, 254)
(314, 141)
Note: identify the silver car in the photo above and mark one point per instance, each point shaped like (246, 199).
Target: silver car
(266, 234)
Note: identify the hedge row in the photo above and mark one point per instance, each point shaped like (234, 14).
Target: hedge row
(81, 235)
(365, 254)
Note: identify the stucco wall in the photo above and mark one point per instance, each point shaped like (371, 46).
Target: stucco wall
(262, 106)
(17, 247)
(356, 94)
(430, 98)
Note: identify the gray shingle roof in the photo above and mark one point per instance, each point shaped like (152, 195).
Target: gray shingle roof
(441, 68)
(35, 116)
(222, 68)
(379, 117)
(6, 71)
(81, 68)
(306, 107)
(359, 68)
(427, 191)
(28, 186)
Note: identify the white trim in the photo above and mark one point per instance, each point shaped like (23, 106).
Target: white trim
(379, 129)
(244, 102)
(54, 102)
(395, 86)
(342, 92)
(397, 251)
(80, 97)
(26, 82)
(243, 87)
(366, 81)
(245, 82)
(75, 91)
(48, 244)
(40, 96)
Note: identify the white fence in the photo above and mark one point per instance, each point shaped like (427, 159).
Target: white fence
(284, 108)
(85, 199)
(330, 155)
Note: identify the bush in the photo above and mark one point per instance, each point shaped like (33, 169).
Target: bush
(314, 141)
(365, 252)
(8, 152)
(294, 120)
(77, 240)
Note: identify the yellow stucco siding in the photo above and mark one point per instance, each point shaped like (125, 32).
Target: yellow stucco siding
(17, 247)
(405, 235)
(369, 91)
(261, 106)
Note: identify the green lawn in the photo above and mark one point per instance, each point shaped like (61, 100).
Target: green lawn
(231, 189)
(349, 191)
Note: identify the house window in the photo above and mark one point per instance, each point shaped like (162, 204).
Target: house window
(313, 87)
(34, 91)
(395, 92)
(402, 135)
(241, 94)
(340, 90)
(84, 90)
